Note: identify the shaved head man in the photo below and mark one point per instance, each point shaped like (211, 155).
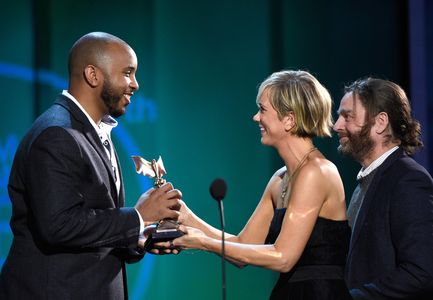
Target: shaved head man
(72, 233)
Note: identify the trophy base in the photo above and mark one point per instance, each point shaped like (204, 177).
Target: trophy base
(166, 230)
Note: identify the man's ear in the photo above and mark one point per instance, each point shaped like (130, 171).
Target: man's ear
(381, 122)
(92, 75)
(289, 121)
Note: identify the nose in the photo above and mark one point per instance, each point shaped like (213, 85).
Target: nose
(134, 84)
(338, 126)
(256, 117)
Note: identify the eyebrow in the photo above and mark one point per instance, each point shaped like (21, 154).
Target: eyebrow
(344, 111)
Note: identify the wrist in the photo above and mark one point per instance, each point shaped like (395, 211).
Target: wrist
(206, 243)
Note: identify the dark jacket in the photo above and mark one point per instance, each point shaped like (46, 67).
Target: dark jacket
(391, 249)
(71, 234)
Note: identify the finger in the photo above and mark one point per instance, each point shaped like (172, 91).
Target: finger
(176, 204)
(167, 192)
(147, 193)
(172, 214)
(172, 204)
(167, 251)
(174, 193)
(154, 251)
(165, 187)
(162, 244)
(183, 228)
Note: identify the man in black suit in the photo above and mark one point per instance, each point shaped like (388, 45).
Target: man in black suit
(72, 233)
(391, 210)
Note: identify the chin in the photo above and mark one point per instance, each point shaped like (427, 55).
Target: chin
(117, 113)
(264, 142)
(344, 151)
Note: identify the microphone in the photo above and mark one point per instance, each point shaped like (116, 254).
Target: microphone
(218, 189)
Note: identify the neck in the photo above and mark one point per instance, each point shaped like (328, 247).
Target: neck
(375, 154)
(94, 107)
(294, 151)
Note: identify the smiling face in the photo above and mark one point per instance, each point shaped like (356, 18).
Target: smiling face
(119, 79)
(271, 127)
(353, 130)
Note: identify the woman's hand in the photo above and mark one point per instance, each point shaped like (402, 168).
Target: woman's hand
(186, 216)
(192, 239)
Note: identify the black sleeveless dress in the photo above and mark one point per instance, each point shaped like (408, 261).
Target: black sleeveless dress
(319, 273)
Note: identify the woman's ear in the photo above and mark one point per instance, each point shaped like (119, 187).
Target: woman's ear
(92, 75)
(289, 121)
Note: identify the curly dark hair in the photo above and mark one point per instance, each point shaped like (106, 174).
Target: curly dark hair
(379, 95)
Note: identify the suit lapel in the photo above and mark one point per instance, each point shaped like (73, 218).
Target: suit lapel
(370, 196)
(93, 138)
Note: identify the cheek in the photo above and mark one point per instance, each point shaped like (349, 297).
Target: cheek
(350, 128)
(354, 125)
(348, 125)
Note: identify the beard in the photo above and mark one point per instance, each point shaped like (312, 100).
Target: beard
(358, 145)
(111, 99)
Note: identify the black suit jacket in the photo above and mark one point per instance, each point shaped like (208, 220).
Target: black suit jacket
(71, 234)
(391, 249)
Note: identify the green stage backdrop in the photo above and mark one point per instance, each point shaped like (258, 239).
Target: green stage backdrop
(200, 63)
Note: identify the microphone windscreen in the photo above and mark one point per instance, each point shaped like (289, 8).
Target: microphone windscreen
(218, 189)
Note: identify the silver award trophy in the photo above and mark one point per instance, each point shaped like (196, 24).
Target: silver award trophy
(166, 229)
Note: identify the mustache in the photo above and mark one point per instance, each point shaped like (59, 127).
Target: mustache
(358, 145)
(345, 134)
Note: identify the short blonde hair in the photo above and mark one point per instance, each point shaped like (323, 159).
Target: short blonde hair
(301, 93)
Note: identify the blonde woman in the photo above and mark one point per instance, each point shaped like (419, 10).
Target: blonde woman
(299, 227)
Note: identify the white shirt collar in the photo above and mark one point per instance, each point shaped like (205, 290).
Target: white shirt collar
(107, 122)
(375, 164)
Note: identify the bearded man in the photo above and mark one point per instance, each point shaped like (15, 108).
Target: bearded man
(391, 210)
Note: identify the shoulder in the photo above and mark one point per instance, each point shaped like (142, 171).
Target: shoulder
(319, 167)
(406, 184)
(314, 183)
(56, 115)
(62, 118)
(51, 124)
(320, 176)
(404, 167)
(54, 138)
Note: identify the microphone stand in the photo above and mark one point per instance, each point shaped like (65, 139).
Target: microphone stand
(223, 265)
(218, 191)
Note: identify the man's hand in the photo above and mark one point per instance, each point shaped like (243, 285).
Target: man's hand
(148, 230)
(160, 203)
